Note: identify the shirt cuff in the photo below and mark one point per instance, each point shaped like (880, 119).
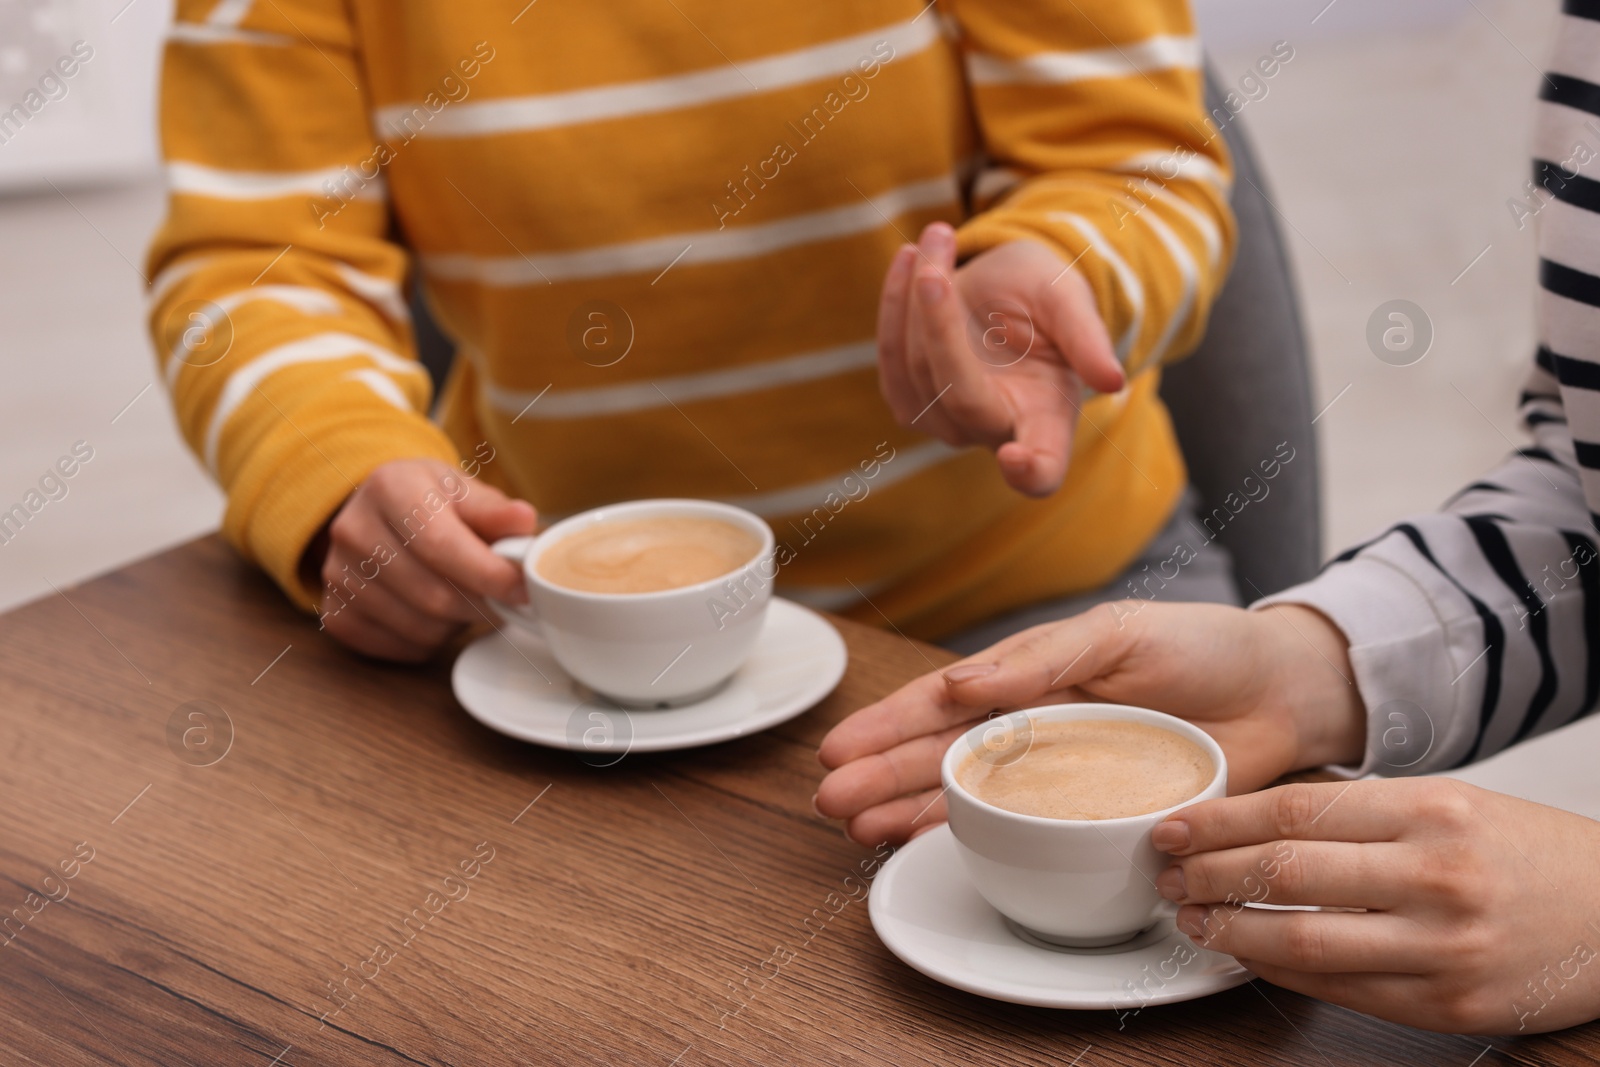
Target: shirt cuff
(1401, 655)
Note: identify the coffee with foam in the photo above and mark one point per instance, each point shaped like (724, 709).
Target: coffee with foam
(647, 555)
(1088, 769)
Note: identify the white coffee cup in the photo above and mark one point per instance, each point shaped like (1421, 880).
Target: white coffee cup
(656, 649)
(1080, 883)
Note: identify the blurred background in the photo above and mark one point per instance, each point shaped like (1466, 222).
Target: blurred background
(1393, 141)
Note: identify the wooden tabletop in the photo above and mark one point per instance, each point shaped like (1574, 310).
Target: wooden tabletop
(220, 896)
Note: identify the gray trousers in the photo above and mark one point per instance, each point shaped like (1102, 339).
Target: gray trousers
(1204, 573)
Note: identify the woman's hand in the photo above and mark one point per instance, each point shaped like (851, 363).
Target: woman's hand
(994, 353)
(1482, 911)
(1274, 688)
(408, 560)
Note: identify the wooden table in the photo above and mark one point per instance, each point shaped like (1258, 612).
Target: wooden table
(230, 910)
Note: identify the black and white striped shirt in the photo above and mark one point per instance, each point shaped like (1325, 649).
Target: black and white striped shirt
(1478, 626)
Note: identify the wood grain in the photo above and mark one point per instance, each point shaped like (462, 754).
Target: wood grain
(230, 912)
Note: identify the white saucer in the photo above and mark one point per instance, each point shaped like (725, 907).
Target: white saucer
(509, 681)
(927, 912)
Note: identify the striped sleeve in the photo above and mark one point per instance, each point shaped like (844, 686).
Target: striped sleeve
(1095, 141)
(276, 306)
(1479, 626)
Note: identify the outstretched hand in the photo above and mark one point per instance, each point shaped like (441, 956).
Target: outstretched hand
(995, 353)
(1268, 685)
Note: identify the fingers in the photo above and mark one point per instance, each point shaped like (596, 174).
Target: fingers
(881, 777)
(1322, 811)
(1071, 318)
(894, 378)
(940, 353)
(925, 705)
(491, 514)
(1042, 659)
(365, 552)
(1337, 874)
(460, 556)
(408, 560)
(424, 590)
(371, 621)
(1312, 941)
(379, 605)
(899, 820)
(425, 509)
(1035, 462)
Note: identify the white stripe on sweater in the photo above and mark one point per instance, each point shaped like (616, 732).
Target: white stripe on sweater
(382, 293)
(1203, 224)
(199, 179)
(1170, 167)
(170, 276)
(318, 348)
(206, 33)
(383, 386)
(1188, 274)
(723, 81)
(1156, 53)
(229, 12)
(532, 405)
(203, 323)
(1132, 287)
(696, 248)
(801, 499)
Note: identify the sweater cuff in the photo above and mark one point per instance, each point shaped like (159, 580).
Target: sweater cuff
(309, 482)
(1401, 655)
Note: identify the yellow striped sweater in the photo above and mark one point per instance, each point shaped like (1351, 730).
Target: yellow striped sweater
(657, 234)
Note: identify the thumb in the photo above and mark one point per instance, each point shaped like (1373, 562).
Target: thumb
(1072, 321)
(491, 514)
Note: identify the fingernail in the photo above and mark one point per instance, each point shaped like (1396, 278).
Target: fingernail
(1189, 921)
(815, 808)
(1171, 835)
(930, 287)
(968, 671)
(1170, 883)
(902, 259)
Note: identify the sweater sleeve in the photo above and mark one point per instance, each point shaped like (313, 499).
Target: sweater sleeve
(276, 306)
(1095, 140)
(1477, 626)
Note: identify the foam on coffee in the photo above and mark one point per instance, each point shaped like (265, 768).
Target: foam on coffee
(647, 555)
(1088, 769)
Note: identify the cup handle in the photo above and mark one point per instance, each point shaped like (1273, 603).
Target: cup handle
(514, 549)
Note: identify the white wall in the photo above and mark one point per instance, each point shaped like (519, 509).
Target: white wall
(1230, 25)
(97, 125)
